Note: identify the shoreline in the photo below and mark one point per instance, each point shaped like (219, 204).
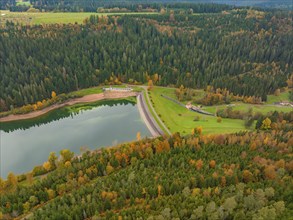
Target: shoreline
(84, 99)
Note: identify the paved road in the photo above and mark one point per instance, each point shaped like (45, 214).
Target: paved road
(154, 111)
(150, 122)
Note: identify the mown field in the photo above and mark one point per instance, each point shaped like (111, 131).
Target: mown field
(51, 17)
(26, 3)
(178, 118)
(243, 107)
(264, 109)
(284, 96)
(99, 89)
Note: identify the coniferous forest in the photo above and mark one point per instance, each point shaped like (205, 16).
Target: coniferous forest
(231, 52)
(245, 51)
(237, 176)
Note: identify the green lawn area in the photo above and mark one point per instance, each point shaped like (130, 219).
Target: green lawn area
(153, 114)
(284, 96)
(51, 17)
(88, 91)
(243, 107)
(26, 3)
(99, 89)
(178, 118)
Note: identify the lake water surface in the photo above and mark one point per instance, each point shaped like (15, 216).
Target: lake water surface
(25, 144)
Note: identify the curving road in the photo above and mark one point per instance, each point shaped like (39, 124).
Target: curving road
(150, 122)
(154, 111)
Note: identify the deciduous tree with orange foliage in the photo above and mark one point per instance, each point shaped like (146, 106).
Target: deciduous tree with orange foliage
(270, 172)
(199, 164)
(138, 136)
(212, 164)
(247, 176)
(196, 131)
(47, 165)
(150, 84)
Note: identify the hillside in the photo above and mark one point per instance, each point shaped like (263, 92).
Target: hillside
(242, 176)
(245, 51)
(286, 4)
(92, 6)
(146, 110)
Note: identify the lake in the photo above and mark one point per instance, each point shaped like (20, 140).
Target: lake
(27, 143)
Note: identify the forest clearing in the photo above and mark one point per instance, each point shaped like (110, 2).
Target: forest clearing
(32, 18)
(178, 118)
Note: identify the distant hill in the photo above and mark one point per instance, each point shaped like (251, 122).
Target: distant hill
(260, 3)
(89, 4)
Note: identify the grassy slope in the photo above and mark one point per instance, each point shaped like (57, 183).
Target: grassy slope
(284, 96)
(50, 17)
(180, 119)
(244, 108)
(89, 91)
(264, 109)
(26, 3)
(98, 89)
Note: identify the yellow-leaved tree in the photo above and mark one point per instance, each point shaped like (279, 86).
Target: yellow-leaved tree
(138, 136)
(53, 94)
(66, 155)
(150, 84)
(47, 166)
(266, 124)
(109, 169)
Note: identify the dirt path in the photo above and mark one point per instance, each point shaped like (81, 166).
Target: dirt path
(84, 99)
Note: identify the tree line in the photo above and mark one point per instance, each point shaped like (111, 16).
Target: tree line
(129, 5)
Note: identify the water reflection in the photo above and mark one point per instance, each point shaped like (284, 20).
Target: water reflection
(29, 143)
(58, 114)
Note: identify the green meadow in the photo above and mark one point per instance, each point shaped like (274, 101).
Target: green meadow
(26, 3)
(52, 17)
(265, 108)
(243, 107)
(178, 118)
(284, 96)
(99, 89)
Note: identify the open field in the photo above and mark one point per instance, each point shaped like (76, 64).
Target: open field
(284, 96)
(181, 119)
(99, 89)
(264, 109)
(243, 107)
(26, 3)
(88, 91)
(51, 17)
